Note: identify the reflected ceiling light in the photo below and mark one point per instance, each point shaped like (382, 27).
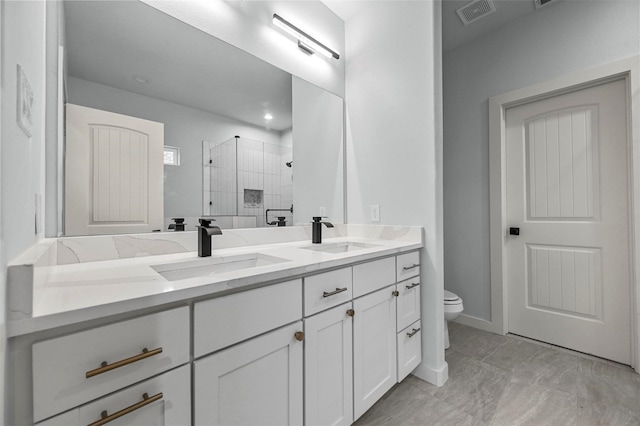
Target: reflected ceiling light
(305, 42)
(268, 116)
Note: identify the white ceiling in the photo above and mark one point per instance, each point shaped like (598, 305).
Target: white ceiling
(109, 42)
(454, 32)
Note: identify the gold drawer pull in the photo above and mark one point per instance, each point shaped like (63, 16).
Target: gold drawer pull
(106, 418)
(409, 287)
(104, 367)
(338, 290)
(407, 268)
(395, 293)
(351, 312)
(413, 333)
(299, 335)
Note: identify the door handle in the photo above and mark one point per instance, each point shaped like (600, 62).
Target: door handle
(514, 231)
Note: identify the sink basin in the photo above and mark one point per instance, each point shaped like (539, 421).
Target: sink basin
(214, 265)
(339, 247)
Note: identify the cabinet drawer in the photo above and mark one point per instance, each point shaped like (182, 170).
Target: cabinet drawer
(221, 322)
(408, 302)
(408, 265)
(168, 402)
(67, 370)
(409, 350)
(371, 276)
(324, 291)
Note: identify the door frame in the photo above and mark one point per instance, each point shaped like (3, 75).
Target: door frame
(627, 69)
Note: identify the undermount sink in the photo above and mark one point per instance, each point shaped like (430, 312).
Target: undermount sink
(339, 247)
(214, 265)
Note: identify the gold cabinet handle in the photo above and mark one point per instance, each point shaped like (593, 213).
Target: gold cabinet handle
(299, 335)
(146, 400)
(409, 287)
(104, 367)
(407, 268)
(413, 333)
(338, 290)
(395, 293)
(351, 312)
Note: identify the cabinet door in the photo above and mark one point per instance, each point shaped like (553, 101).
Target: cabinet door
(163, 400)
(374, 348)
(258, 382)
(328, 367)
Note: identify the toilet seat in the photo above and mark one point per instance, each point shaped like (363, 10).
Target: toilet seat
(451, 298)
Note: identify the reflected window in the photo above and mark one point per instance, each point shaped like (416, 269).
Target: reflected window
(171, 156)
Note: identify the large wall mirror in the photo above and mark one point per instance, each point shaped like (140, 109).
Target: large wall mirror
(242, 140)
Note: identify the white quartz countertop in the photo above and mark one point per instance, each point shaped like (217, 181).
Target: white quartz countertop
(72, 293)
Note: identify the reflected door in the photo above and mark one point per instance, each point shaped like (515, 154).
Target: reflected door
(113, 173)
(567, 193)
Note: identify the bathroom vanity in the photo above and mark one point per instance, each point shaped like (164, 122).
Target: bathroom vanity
(270, 330)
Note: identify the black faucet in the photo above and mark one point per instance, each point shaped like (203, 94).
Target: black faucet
(316, 229)
(178, 225)
(205, 231)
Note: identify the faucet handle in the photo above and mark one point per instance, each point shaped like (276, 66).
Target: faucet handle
(206, 222)
(319, 218)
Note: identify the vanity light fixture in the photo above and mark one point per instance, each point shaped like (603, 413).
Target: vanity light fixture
(305, 42)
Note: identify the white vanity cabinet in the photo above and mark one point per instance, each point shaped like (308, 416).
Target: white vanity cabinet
(328, 369)
(71, 370)
(316, 350)
(163, 400)
(409, 334)
(374, 348)
(257, 377)
(356, 351)
(258, 382)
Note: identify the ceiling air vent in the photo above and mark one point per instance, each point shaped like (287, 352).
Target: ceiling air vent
(477, 9)
(540, 3)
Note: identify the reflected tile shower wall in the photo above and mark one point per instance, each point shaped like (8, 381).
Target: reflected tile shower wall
(244, 177)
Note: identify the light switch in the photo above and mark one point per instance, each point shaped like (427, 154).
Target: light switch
(375, 213)
(323, 212)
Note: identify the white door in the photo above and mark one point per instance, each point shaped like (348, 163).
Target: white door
(567, 192)
(374, 348)
(258, 382)
(328, 366)
(113, 173)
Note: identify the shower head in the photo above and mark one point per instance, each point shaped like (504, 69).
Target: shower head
(289, 164)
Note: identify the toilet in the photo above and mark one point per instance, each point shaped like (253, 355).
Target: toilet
(452, 308)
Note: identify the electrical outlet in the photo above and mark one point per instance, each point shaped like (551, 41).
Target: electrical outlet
(323, 211)
(375, 213)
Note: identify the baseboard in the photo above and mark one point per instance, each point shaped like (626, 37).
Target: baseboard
(478, 323)
(430, 375)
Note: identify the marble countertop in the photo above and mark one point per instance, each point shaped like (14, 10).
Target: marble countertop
(70, 293)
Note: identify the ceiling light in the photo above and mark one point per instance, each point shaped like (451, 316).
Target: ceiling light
(307, 43)
(268, 116)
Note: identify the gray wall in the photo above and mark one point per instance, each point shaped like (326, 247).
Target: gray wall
(558, 39)
(184, 128)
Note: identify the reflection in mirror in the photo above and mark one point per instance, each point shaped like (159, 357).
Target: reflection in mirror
(131, 59)
(244, 180)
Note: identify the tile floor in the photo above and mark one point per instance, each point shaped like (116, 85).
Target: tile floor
(506, 381)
